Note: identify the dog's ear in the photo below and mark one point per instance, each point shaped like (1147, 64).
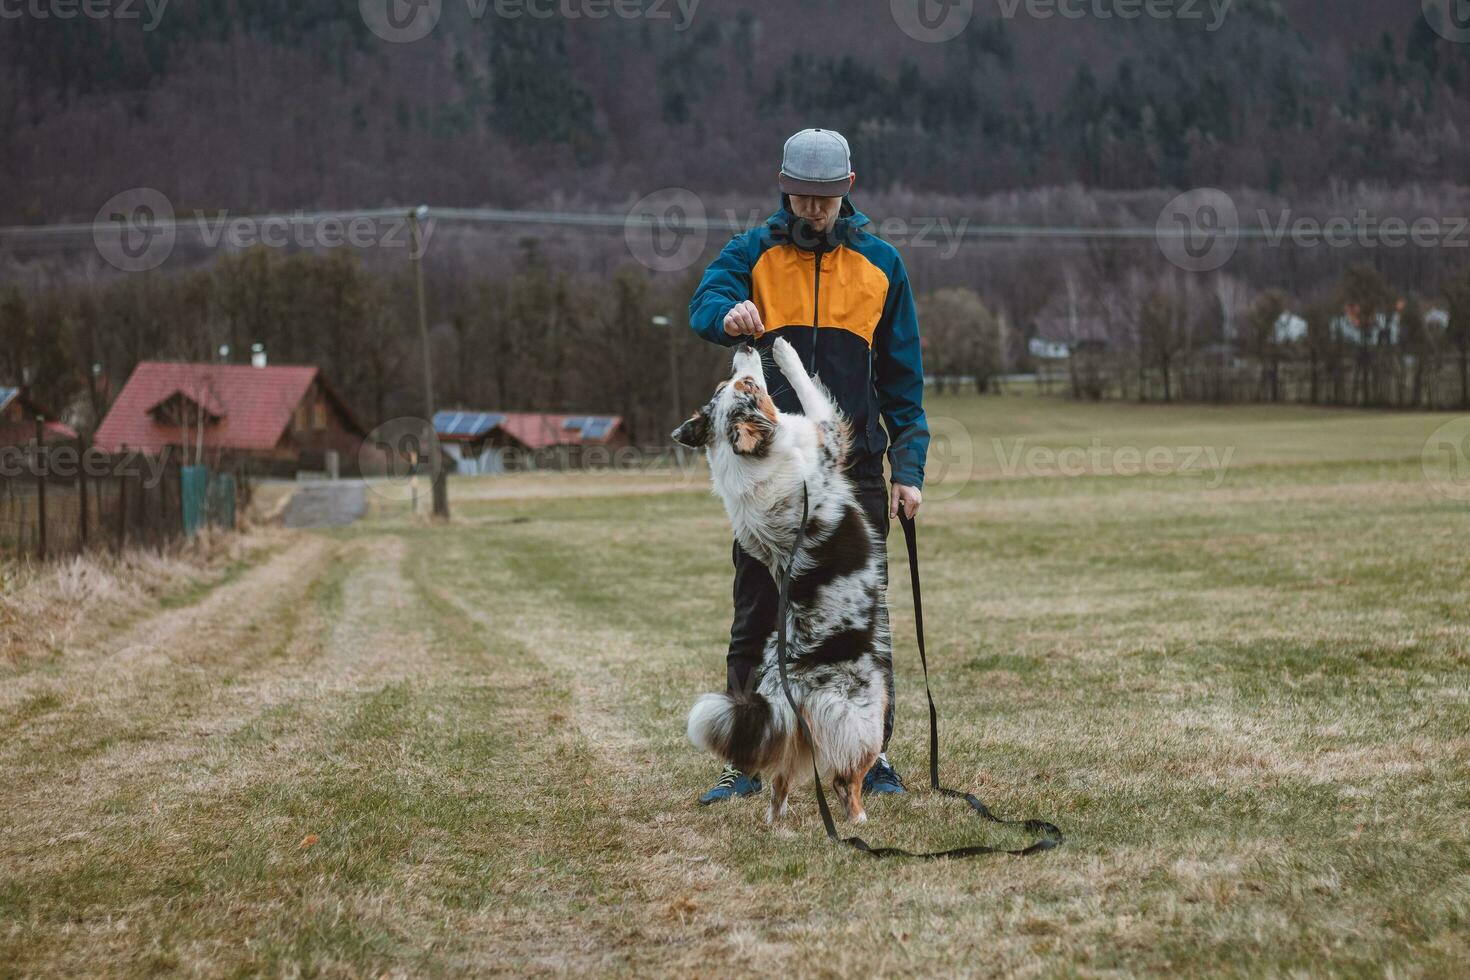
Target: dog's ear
(694, 433)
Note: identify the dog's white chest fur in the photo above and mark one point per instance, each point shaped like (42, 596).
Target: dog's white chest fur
(759, 499)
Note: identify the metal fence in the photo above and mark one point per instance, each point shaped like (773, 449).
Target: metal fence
(65, 499)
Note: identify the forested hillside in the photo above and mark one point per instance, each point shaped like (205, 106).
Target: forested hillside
(1303, 110)
(273, 104)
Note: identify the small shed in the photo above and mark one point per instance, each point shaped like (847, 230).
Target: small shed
(18, 413)
(491, 442)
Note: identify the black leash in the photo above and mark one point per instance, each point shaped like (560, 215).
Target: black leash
(1051, 836)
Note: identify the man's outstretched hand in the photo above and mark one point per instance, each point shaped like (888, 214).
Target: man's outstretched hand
(744, 320)
(908, 498)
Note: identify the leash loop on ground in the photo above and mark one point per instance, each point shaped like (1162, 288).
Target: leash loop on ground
(1050, 835)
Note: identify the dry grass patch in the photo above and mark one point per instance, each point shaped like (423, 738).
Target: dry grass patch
(425, 750)
(44, 609)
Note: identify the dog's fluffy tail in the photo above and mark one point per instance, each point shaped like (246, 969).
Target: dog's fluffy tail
(749, 732)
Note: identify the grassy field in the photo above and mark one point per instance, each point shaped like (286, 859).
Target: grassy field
(1243, 693)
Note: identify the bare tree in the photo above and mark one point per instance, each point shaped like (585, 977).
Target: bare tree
(1457, 332)
(962, 334)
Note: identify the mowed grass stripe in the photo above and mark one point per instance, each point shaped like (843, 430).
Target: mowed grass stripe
(200, 857)
(1247, 706)
(1206, 720)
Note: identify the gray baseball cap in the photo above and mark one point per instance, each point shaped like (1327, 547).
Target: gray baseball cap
(817, 163)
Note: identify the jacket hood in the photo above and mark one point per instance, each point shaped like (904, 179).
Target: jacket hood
(849, 223)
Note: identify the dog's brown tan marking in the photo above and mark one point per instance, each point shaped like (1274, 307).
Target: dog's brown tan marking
(749, 436)
(763, 403)
(833, 440)
(765, 406)
(844, 439)
(849, 790)
(752, 434)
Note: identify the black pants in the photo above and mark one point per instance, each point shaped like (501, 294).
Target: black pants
(756, 598)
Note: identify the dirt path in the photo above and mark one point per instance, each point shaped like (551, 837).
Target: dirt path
(335, 503)
(149, 741)
(314, 753)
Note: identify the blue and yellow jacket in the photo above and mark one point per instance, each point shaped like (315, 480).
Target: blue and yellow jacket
(843, 301)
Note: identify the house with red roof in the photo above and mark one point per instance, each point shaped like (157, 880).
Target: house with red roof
(285, 418)
(488, 442)
(18, 414)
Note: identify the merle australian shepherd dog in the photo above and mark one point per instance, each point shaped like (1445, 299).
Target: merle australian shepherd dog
(838, 646)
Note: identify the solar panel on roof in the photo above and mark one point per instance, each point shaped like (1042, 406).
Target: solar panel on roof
(576, 422)
(468, 424)
(597, 428)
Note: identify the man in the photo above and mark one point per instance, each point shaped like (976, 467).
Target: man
(841, 297)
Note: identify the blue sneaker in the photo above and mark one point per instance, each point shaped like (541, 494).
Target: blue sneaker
(732, 782)
(882, 779)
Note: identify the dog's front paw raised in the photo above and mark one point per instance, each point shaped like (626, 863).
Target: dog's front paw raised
(786, 359)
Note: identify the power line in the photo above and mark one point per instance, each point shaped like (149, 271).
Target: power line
(211, 230)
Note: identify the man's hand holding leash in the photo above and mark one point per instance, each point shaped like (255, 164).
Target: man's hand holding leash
(909, 498)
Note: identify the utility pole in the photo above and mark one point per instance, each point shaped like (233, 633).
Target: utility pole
(436, 468)
(663, 321)
(42, 466)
